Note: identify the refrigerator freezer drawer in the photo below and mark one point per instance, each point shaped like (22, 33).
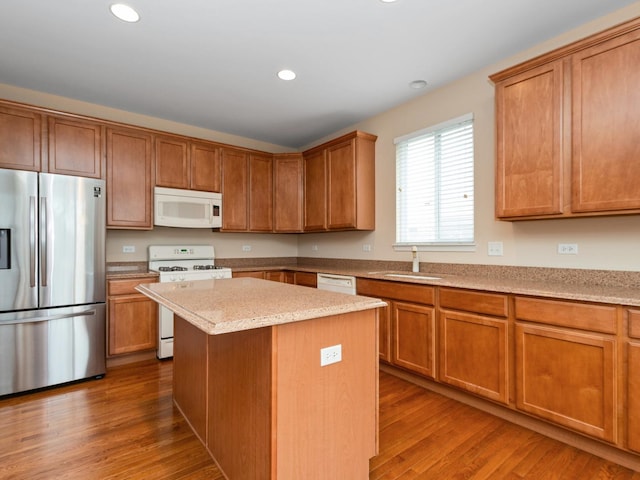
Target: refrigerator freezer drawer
(53, 346)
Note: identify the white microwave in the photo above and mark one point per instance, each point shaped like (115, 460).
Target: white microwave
(174, 207)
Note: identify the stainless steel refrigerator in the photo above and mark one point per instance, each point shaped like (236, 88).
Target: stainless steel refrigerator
(52, 279)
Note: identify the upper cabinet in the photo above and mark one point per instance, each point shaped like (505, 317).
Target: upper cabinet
(76, 147)
(567, 127)
(20, 138)
(339, 184)
(287, 192)
(186, 164)
(235, 177)
(129, 179)
(260, 193)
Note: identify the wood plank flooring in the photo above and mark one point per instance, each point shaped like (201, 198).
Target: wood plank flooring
(125, 427)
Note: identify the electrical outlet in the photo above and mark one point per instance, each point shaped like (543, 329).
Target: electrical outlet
(494, 249)
(128, 249)
(329, 355)
(568, 248)
(366, 247)
(314, 248)
(246, 248)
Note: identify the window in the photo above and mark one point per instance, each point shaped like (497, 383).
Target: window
(434, 191)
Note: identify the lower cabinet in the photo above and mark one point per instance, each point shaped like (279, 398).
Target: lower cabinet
(633, 386)
(306, 279)
(565, 375)
(406, 328)
(252, 274)
(132, 318)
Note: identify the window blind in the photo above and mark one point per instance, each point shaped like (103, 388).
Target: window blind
(434, 175)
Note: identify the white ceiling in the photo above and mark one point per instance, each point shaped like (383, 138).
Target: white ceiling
(213, 63)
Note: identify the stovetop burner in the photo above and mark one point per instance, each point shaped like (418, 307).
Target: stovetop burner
(172, 269)
(205, 267)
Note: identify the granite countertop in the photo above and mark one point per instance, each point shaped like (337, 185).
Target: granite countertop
(124, 270)
(230, 305)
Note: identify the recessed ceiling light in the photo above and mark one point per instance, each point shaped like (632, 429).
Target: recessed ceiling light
(124, 12)
(286, 74)
(387, 1)
(418, 84)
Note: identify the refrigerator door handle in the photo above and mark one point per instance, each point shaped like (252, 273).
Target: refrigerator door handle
(46, 318)
(43, 241)
(32, 241)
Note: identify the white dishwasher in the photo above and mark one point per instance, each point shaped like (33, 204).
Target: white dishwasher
(337, 283)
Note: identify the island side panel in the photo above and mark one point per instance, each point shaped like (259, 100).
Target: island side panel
(190, 375)
(240, 403)
(326, 420)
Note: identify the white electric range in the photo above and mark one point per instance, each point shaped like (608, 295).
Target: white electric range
(180, 263)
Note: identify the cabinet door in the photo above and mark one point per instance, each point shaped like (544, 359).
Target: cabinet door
(133, 324)
(633, 427)
(341, 186)
(414, 338)
(255, 274)
(129, 179)
(315, 192)
(20, 134)
(606, 120)
(172, 162)
(306, 279)
(384, 332)
(287, 193)
(473, 354)
(567, 377)
(260, 193)
(529, 128)
(274, 276)
(235, 176)
(75, 147)
(205, 167)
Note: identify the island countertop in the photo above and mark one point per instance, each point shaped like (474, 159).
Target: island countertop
(230, 305)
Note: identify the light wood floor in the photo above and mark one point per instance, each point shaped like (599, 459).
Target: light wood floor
(125, 427)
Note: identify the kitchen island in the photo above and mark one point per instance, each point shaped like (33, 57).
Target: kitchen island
(248, 376)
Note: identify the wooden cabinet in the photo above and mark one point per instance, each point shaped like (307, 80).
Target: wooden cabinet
(75, 147)
(407, 327)
(235, 178)
(20, 139)
(566, 130)
(260, 191)
(473, 342)
(287, 193)
(633, 379)
(339, 184)
(132, 318)
(252, 274)
(306, 279)
(129, 179)
(186, 164)
(563, 374)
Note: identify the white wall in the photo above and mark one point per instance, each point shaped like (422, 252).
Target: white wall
(604, 243)
(611, 243)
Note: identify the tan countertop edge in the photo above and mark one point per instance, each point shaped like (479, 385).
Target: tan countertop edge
(231, 305)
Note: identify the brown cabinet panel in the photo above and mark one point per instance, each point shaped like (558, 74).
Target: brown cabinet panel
(633, 394)
(75, 147)
(408, 292)
(384, 332)
(254, 274)
(341, 201)
(133, 324)
(477, 302)
(260, 193)
(569, 378)
(606, 121)
(276, 276)
(529, 128)
(235, 199)
(414, 338)
(206, 170)
(20, 139)
(585, 316)
(315, 192)
(306, 279)
(473, 354)
(634, 323)
(172, 162)
(129, 179)
(287, 192)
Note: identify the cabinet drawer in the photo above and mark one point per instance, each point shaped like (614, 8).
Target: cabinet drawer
(128, 286)
(306, 278)
(585, 316)
(396, 291)
(478, 302)
(634, 323)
